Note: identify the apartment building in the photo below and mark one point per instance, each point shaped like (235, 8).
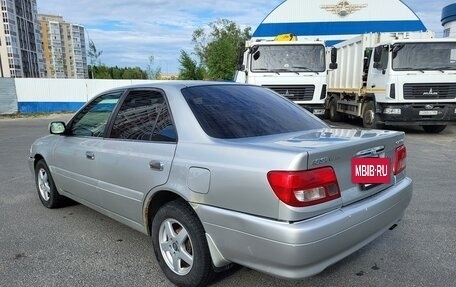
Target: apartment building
(64, 48)
(21, 51)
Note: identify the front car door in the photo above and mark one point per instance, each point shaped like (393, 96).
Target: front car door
(74, 166)
(137, 154)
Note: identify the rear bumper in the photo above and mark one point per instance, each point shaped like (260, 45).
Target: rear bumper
(410, 114)
(301, 249)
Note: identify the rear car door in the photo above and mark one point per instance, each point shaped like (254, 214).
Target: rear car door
(137, 154)
(74, 167)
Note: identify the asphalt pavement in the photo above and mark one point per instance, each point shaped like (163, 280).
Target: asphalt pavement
(76, 246)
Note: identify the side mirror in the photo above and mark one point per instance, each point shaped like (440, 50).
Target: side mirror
(333, 63)
(256, 55)
(240, 62)
(254, 51)
(334, 56)
(378, 54)
(57, 128)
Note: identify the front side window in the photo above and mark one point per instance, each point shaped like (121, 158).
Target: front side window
(92, 119)
(383, 64)
(239, 111)
(288, 58)
(144, 115)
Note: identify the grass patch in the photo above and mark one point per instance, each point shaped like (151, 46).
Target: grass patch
(34, 115)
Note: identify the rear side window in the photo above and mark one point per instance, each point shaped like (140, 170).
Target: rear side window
(144, 115)
(238, 111)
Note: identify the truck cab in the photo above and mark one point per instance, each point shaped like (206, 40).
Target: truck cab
(418, 81)
(294, 69)
(395, 79)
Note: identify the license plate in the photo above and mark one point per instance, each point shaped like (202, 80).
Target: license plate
(371, 170)
(318, 112)
(429, 113)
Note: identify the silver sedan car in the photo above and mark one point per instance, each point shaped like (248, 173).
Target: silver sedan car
(220, 173)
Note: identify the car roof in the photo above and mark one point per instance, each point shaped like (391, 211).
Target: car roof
(180, 84)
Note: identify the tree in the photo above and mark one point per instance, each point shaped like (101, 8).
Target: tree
(134, 73)
(153, 73)
(105, 72)
(116, 73)
(94, 56)
(189, 69)
(218, 50)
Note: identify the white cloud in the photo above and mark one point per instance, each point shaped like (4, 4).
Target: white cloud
(129, 32)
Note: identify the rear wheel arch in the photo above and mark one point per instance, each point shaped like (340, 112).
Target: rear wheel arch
(157, 200)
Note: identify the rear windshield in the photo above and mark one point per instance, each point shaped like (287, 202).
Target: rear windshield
(238, 111)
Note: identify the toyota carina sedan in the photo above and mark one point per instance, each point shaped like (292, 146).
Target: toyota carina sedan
(221, 173)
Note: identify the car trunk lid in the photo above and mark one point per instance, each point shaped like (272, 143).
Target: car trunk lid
(337, 147)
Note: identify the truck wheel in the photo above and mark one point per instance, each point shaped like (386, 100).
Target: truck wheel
(370, 118)
(45, 185)
(434, 129)
(180, 245)
(334, 115)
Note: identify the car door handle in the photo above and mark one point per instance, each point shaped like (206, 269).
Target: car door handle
(155, 164)
(90, 155)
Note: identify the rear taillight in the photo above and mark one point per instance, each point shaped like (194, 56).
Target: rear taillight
(400, 156)
(305, 188)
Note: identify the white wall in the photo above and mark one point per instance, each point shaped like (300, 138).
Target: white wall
(61, 95)
(65, 90)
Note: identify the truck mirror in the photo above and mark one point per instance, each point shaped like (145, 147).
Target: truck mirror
(256, 55)
(240, 62)
(378, 54)
(254, 51)
(332, 66)
(334, 56)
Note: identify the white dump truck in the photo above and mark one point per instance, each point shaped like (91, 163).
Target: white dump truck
(394, 79)
(295, 69)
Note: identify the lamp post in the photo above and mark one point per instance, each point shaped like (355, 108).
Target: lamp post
(91, 58)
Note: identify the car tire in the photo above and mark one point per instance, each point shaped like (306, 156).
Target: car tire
(180, 245)
(334, 115)
(47, 192)
(434, 129)
(370, 119)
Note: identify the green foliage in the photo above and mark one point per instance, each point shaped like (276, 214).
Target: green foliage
(134, 73)
(189, 69)
(105, 72)
(218, 50)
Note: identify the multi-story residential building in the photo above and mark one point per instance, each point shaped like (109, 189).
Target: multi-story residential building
(21, 51)
(64, 48)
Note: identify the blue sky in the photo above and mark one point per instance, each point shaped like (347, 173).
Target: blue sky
(129, 32)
